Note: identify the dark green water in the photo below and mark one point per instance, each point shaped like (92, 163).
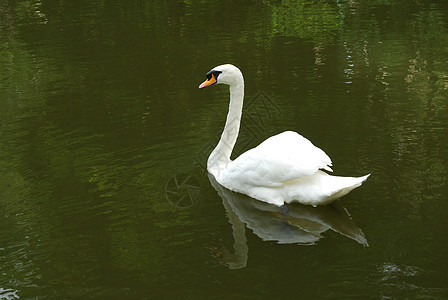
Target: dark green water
(104, 137)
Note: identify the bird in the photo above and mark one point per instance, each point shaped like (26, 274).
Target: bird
(283, 169)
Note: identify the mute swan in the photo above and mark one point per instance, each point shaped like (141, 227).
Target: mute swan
(284, 168)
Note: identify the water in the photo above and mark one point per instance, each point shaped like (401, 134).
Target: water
(104, 137)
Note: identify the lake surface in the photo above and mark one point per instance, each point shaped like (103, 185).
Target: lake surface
(104, 137)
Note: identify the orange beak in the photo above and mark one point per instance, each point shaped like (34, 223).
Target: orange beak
(208, 82)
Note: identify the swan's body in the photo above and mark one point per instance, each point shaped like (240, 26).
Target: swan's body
(284, 168)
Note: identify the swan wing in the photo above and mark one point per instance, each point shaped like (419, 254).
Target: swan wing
(279, 159)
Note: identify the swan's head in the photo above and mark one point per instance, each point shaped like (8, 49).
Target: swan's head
(226, 74)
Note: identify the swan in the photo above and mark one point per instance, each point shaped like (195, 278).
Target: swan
(285, 168)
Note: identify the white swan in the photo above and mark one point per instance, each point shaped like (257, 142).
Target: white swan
(284, 168)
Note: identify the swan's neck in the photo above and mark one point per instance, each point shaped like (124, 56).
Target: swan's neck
(220, 157)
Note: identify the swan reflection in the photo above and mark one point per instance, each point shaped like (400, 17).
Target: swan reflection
(292, 224)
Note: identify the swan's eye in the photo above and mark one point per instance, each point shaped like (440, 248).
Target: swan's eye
(213, 73)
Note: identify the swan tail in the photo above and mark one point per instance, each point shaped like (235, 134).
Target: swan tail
(321, 188)
(353, 183)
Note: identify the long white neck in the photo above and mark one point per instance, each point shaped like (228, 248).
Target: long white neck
(220, 157)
